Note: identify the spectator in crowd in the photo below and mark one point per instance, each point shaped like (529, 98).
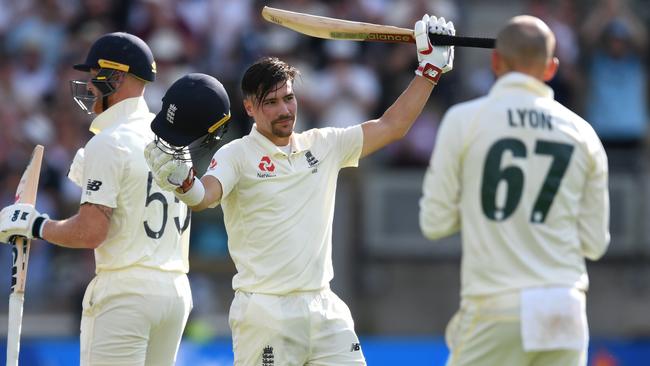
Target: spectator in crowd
(347, 90)
(617, 102)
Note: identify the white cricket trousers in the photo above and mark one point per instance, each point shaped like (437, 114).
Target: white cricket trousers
(486, 331)
(134, 317)
(312, 328)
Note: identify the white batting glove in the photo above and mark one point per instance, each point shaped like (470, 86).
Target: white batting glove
(21, 219)
(433, 60)
(168, 172)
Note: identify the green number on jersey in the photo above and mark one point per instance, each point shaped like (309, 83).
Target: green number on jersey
(493, 174)
(561, 154)
(513, 177)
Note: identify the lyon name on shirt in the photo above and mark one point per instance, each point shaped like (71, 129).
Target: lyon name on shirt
(529, 118)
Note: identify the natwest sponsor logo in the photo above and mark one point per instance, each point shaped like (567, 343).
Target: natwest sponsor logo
(266, 165)
(266, 168)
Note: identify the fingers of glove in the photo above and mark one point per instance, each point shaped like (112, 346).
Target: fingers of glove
(421, 34)
(445, 54)
(179, 174)
(438, 26)
(159, 158)
(451, 30)
(171, 175)
(19, 216)
(166, 169)
(15, 211)
(161, 180)
(444, 27)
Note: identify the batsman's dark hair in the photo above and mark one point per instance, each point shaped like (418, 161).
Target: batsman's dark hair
(262, 77)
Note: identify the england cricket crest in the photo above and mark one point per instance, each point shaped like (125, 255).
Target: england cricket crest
(268, 357)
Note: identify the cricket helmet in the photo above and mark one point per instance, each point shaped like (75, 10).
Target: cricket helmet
(112, 54)
(194, 115)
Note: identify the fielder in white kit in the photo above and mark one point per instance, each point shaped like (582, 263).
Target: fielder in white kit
(277, 190)
(525, 181)
(136, 307)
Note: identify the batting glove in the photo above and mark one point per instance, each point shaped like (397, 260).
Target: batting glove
(21, 219)
(433, 60)
(168, 172)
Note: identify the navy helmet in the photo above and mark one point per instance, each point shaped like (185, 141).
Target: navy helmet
(194, 114)
(123, 52)
(113, 54)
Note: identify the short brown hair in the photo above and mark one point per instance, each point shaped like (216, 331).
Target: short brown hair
(262, 76)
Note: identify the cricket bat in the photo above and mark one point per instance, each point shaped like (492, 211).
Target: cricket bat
(25, 193)
(339, 29)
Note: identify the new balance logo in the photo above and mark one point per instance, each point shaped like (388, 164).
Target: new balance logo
(355, 347)
(93, 185)
(171, 113)
(267, 356)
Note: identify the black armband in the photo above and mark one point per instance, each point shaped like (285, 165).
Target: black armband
(37, 227)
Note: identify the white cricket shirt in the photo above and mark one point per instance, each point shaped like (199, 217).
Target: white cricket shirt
(149, 227)
(278, 208)
(527, 179)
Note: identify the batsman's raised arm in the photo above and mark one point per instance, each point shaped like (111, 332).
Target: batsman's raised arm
(433, 62)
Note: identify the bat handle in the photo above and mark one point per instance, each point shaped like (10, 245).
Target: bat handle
(445, 40)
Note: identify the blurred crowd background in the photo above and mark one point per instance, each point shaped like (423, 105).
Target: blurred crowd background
(394, 281)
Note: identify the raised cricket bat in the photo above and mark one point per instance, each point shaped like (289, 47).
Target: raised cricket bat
(339, 29)
(25, 193)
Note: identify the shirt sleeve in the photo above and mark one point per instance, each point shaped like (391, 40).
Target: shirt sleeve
(439, 204)
(593, 219)
(224, 166)
(104, 167)
(349, 143)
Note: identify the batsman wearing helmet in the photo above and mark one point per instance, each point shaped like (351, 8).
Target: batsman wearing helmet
(277, 187)
(136, 307)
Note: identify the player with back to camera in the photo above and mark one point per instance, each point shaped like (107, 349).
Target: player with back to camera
(277, 187)
(136, 307)
(525, 181)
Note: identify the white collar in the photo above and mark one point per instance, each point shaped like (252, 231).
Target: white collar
(521, 80)
(116, 113)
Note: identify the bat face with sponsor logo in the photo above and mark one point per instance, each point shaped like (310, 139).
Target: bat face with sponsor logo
(339, 29)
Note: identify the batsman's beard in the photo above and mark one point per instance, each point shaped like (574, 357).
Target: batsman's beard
(280, 131)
